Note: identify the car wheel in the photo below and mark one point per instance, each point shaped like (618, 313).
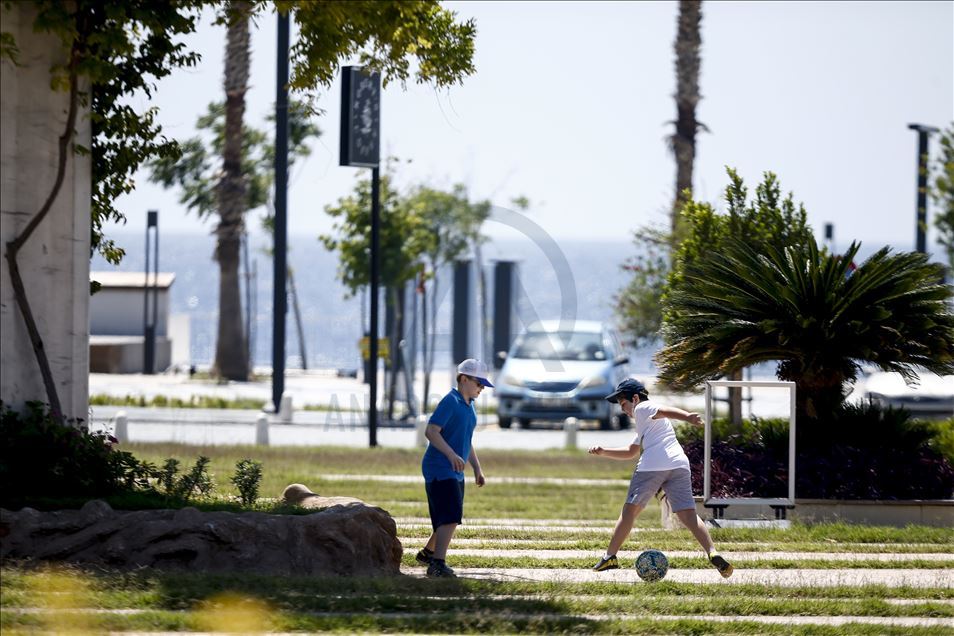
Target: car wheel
(523, 422)
(504, 422)
(622, 421)
(606, 424)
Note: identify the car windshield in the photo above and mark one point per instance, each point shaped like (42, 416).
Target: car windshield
(559, 345)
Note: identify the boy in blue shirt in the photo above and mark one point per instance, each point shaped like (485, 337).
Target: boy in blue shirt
(450, 433)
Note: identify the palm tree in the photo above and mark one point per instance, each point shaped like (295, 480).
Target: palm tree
(683, 140)
(231, 355)
(808, 311)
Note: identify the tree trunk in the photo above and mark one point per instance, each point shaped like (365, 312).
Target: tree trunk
(687, 46)
(422, 288)
(735, 403)
(429, 364)
(14, 246)
(396, 328)
(293, 291)
(231, 357)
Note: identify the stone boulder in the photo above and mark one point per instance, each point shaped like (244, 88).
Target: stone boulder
(343, 539)
(300, 495)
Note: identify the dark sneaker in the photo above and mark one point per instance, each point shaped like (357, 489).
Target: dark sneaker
(606, 563)
(439, 569)
(424, 556)
(724, 567)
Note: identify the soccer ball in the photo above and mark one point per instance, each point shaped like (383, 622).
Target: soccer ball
(652, 565)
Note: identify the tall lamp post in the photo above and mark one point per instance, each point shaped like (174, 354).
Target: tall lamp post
(360, 147)
(921, 213)
(279, 294)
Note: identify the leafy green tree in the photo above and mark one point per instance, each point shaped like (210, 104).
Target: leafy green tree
(403, 239)
(806, 310)
(196, 172)
(943, 194)
(122, 49)
(639, 303)
(454, 222)
(768, 219)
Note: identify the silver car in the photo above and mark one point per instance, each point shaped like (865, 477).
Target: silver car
(560, 369)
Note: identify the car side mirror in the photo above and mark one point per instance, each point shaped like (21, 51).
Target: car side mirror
(620, 360)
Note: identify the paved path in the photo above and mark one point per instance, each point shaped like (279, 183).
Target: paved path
(762, 576)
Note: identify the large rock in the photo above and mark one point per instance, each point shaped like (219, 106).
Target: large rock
(340, 540)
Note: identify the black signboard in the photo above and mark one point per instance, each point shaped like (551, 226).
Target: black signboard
(360, 117)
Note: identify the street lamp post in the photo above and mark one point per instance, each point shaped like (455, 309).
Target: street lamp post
(921, 213)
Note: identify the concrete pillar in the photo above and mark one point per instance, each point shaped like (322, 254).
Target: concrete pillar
(505, 302)
(261, 430)
(121, 433)
(54, 263)
(286, 412)
(420, 426)
(464, 317)
(571, 427)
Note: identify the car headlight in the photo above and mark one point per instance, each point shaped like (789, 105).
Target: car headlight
(512, 381)
(596, 380)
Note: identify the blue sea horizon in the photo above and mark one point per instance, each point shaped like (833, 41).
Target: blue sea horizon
(579, 279)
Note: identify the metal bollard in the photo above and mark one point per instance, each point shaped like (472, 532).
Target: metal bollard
(570, 427)
(122, 428)
(285, 410)
(420, 425)
(261, 430)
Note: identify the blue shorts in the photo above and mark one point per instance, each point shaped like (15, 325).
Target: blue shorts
(445, 501)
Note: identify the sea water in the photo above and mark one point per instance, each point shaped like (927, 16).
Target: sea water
(564, 279)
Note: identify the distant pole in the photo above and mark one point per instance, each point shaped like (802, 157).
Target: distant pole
(921, 214)
(149, 325)
(830, 236)
(375, 272)
(279, 296)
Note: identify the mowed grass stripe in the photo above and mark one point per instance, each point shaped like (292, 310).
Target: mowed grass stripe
(457, 621)
(825, 536)
(723, 605)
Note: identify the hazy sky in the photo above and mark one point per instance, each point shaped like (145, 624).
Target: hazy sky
(571, 103)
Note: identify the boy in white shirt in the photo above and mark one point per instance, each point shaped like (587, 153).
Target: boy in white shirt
(662, 464)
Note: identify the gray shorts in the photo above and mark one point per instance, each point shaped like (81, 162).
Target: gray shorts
(677, 484)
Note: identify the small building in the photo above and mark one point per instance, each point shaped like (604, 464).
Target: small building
(116, 322)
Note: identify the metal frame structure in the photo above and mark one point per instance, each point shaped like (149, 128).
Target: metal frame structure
(779, 503)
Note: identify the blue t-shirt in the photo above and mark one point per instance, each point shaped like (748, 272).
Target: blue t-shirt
(457, 420)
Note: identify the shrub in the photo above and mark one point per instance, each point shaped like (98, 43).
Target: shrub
(46, 458)
(248, 476)
(863, 451)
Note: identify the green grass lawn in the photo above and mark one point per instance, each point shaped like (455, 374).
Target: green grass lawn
(62, 600)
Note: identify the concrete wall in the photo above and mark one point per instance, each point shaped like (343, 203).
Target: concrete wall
(54, 263)
(118, 312)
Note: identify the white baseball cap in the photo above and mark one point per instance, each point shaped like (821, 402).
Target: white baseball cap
(476, 369)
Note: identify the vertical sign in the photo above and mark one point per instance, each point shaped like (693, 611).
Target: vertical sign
(360, 117)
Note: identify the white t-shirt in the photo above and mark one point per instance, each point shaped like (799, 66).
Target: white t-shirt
(660, 448)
